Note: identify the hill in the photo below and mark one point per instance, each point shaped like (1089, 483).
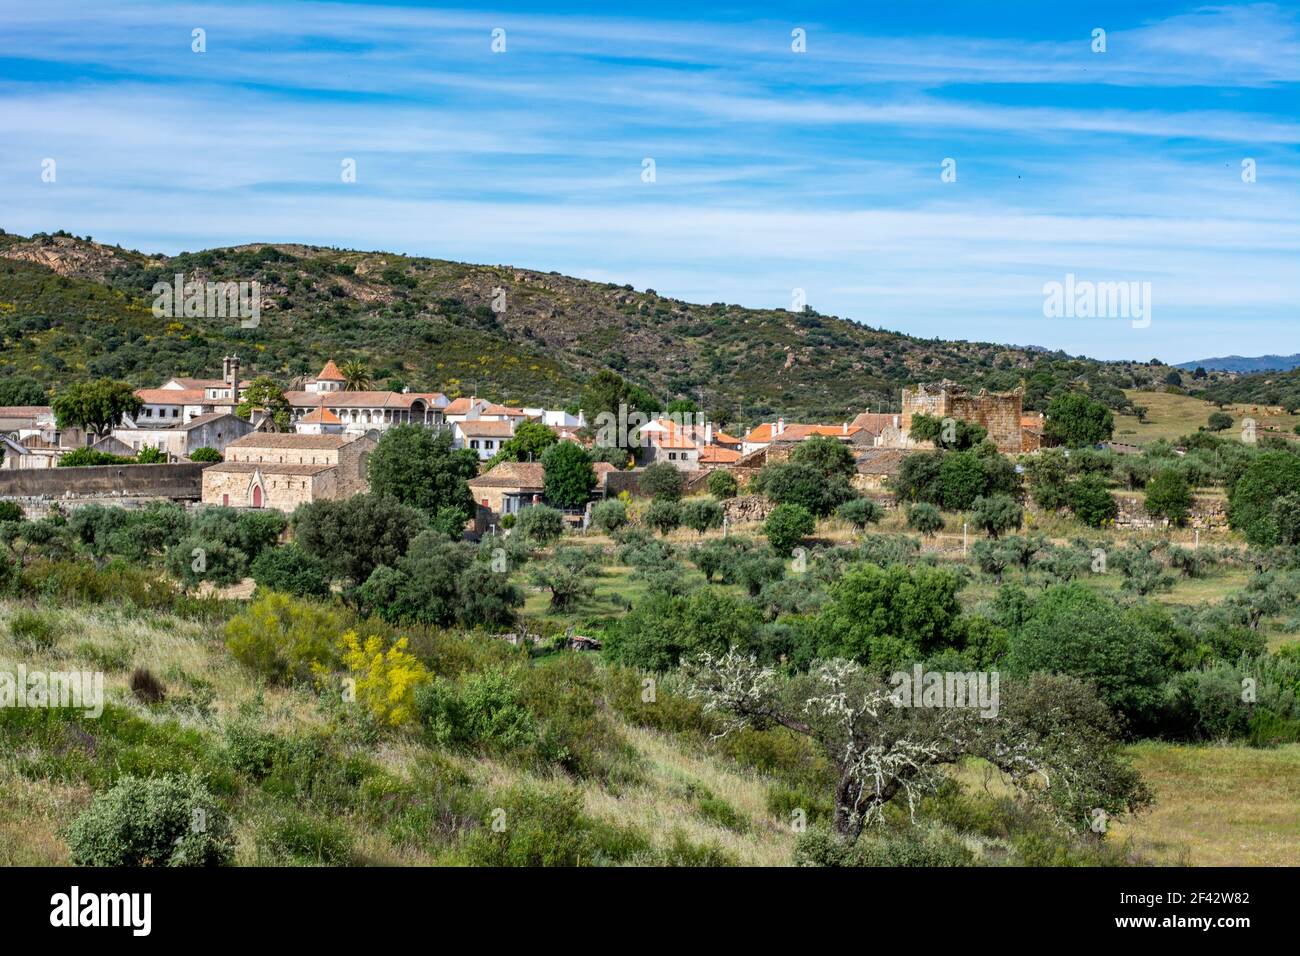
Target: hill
(71, 308)
(1244, 366)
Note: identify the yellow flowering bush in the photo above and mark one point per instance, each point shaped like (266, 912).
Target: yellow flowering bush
(386, 677)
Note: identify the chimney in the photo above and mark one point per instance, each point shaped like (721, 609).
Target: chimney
(232, 376)
(708, 433)
(844, 430)
(780, 426)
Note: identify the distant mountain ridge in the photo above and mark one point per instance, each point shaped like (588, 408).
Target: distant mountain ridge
(1244, 365)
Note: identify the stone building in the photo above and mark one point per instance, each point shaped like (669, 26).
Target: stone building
(180, 440)
(282, 471)
(999, 414)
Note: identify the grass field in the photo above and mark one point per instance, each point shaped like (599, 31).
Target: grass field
(1171, 416)
(1218, 806)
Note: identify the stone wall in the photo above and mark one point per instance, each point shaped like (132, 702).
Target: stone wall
(747, 508)
(998, 413)
(1206, 514)
(178, 482)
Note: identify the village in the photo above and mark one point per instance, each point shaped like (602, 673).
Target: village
(246, 461)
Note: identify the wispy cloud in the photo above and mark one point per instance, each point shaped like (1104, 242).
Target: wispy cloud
(773, 169)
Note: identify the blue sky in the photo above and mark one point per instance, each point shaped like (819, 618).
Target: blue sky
(774, 170)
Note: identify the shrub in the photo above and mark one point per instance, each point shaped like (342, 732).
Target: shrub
(539, 524)
(194, 560)
(1270, 476)
(206, 454)
(799, 484)
(386, 677)
(860, 512)
(662, 481)
(722, 484)
(608, 516)
(925, 518)
(819, 847)
(536, 826)
(1168, 496)
(507, 522)
(290, 570)
(701, 514)
(11, 511)
(483, 710)
(786, 526)
(295, 838)
(149, 455)
(1091, 501)
(663, 514)
(283, 639)
(33, 630)
(159, 821)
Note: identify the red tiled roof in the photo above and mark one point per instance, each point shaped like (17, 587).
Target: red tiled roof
(485, 429)
(330, 373)
(171, 396)
(717, 455)
(322, 416)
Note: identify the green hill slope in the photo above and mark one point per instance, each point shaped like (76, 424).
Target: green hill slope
(71, 308)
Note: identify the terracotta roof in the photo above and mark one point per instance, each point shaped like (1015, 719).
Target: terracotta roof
(460, 405)
(524, 475)
(291, 440)
(722, 438)
(717, 455)
(322, 416)
(265, 467)
(362, 399)
(668, 434)
(504, 410)
(171, 396)
(330, 373)
(25, 411)
(483, 429)
(800, 432)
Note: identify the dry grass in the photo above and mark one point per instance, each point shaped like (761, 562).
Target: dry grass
(1219, 805)
(1171, 416)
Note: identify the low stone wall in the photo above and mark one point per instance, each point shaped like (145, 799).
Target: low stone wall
(747, 508)
(35, 489)
(1206, 514)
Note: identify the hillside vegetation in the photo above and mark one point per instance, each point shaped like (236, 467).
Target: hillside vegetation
(72, 309)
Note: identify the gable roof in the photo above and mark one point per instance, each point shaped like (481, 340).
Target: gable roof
(171, 396)
(486, 429)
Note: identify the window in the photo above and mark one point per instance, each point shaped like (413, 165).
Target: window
(473, 443)
(672, 455)
(176, 413)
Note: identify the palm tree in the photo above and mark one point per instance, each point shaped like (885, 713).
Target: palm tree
(356, 376)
